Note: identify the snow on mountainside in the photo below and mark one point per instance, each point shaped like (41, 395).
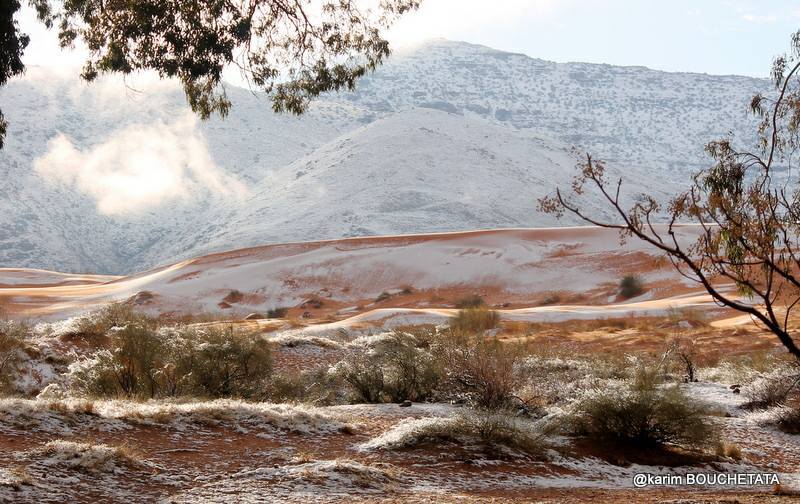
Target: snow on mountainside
(449, 136)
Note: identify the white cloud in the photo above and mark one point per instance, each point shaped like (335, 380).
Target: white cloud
(760, 19)
(139, 167)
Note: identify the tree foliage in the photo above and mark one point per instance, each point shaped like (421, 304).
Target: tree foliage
(745, 208)
(294, 50)
(12, 45)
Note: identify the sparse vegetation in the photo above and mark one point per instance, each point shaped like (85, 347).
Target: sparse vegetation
(145, 363)
(643, 413)
(482, 369)
(279, 312)
(773, 389)
(383, 296)
(12, 345)
(475, 320)
(473, 301)
(495, 432)
(395, 368)
(630, 286)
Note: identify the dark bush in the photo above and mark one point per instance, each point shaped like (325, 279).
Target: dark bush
(279, 312)
(630, 286)
(473, 301)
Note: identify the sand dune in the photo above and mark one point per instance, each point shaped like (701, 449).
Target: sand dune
(573, 271)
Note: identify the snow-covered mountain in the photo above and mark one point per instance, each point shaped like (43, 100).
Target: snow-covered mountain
(111, 178)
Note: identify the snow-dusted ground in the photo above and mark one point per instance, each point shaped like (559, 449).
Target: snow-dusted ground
(58, 449)
(517, 264)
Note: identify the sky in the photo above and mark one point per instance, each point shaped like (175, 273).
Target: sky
(710, 36)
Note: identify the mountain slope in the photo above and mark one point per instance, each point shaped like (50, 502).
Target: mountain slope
(109, 179)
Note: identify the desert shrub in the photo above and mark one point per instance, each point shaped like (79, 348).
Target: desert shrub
(559, 379)
(95, 326)
(788, 420)
(473, 301)
(643, 412)
(774, 389)
(12, 345)
(223, 363)
(551, 298)
(683, 352)
(144, 363)
(364, 376)
(279, 312)
(410, 373)
(482, 369)
(396, 367)
(631, 286)
(474, 320)
(317, 386)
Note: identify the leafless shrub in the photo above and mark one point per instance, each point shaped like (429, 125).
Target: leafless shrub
(481, 368)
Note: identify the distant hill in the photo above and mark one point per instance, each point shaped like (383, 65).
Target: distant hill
(449, 136)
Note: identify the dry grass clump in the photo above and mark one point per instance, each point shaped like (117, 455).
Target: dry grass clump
(729, 450)
(15, 477)
(777, 388)
(87, 457)
(475, 320)
(644, 413)
(496, 432)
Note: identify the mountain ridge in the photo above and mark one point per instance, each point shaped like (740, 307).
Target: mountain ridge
(506, 123)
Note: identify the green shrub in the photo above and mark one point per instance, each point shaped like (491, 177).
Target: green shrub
(95, 326)
(364, 376)
(630, 286)
(473, 301)
(396, 368)
(644, 413)
(143, 363)
(12, 346)
(315, 386)
(223, 363)
(475, 320)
